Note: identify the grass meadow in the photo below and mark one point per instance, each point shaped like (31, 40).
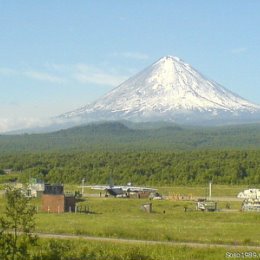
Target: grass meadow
(123, 218)
(50, 249)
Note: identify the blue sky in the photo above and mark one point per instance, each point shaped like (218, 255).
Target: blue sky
(56, 56)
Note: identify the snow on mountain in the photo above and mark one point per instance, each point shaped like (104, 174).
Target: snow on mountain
(168, 90)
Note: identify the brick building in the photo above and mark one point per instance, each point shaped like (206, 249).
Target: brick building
(55, 201)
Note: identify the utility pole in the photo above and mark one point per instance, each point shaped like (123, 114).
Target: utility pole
(210, 184)
(82, 186)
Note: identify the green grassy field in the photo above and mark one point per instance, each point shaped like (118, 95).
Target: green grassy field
(50, 249)
(123, 218)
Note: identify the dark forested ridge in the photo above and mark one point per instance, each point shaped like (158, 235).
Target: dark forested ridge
(140, 153)
(153, 168)
(117, 136)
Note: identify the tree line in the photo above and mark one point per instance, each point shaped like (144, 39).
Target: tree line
(144, 167)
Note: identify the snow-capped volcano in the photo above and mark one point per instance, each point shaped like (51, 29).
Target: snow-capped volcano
(169, 90)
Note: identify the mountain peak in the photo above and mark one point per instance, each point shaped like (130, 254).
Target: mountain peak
(166, 60)
(169, 90)
(170, 58)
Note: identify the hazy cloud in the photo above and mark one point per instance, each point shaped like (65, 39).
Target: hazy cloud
(56, 67)
(28, 124)
(80, 73)
(7, 72)
(43, 76)
(33, 74)
(239, 50)
(11, 124)
(89, 74)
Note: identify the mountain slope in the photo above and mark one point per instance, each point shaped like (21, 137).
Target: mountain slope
(169, 90)
(115, 136)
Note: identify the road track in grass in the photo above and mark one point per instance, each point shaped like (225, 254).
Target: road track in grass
(149, 242)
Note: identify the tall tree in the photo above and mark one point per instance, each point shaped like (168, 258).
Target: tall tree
(16, 226)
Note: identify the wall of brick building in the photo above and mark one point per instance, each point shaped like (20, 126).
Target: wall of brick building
(53, 203)
(58, 203)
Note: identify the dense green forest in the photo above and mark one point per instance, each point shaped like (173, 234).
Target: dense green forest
(139, 153)
(144, 167)
(117, 136)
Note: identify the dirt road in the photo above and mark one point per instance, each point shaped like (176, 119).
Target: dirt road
(135, 241)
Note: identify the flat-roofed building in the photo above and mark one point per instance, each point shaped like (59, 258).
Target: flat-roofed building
(55, 201)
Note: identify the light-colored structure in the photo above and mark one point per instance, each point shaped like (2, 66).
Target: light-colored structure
(249, 194)
(251, 200)
(251, 205)
(35, 188)
(206, 205)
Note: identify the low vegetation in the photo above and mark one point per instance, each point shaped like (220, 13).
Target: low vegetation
(50, 249)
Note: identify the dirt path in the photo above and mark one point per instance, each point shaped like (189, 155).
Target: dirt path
(150, 242)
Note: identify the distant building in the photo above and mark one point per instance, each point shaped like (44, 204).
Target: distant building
(55, 201)
(249, 194)
(251, 205)
(6, 171)
(36, 188)
(206, 205)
